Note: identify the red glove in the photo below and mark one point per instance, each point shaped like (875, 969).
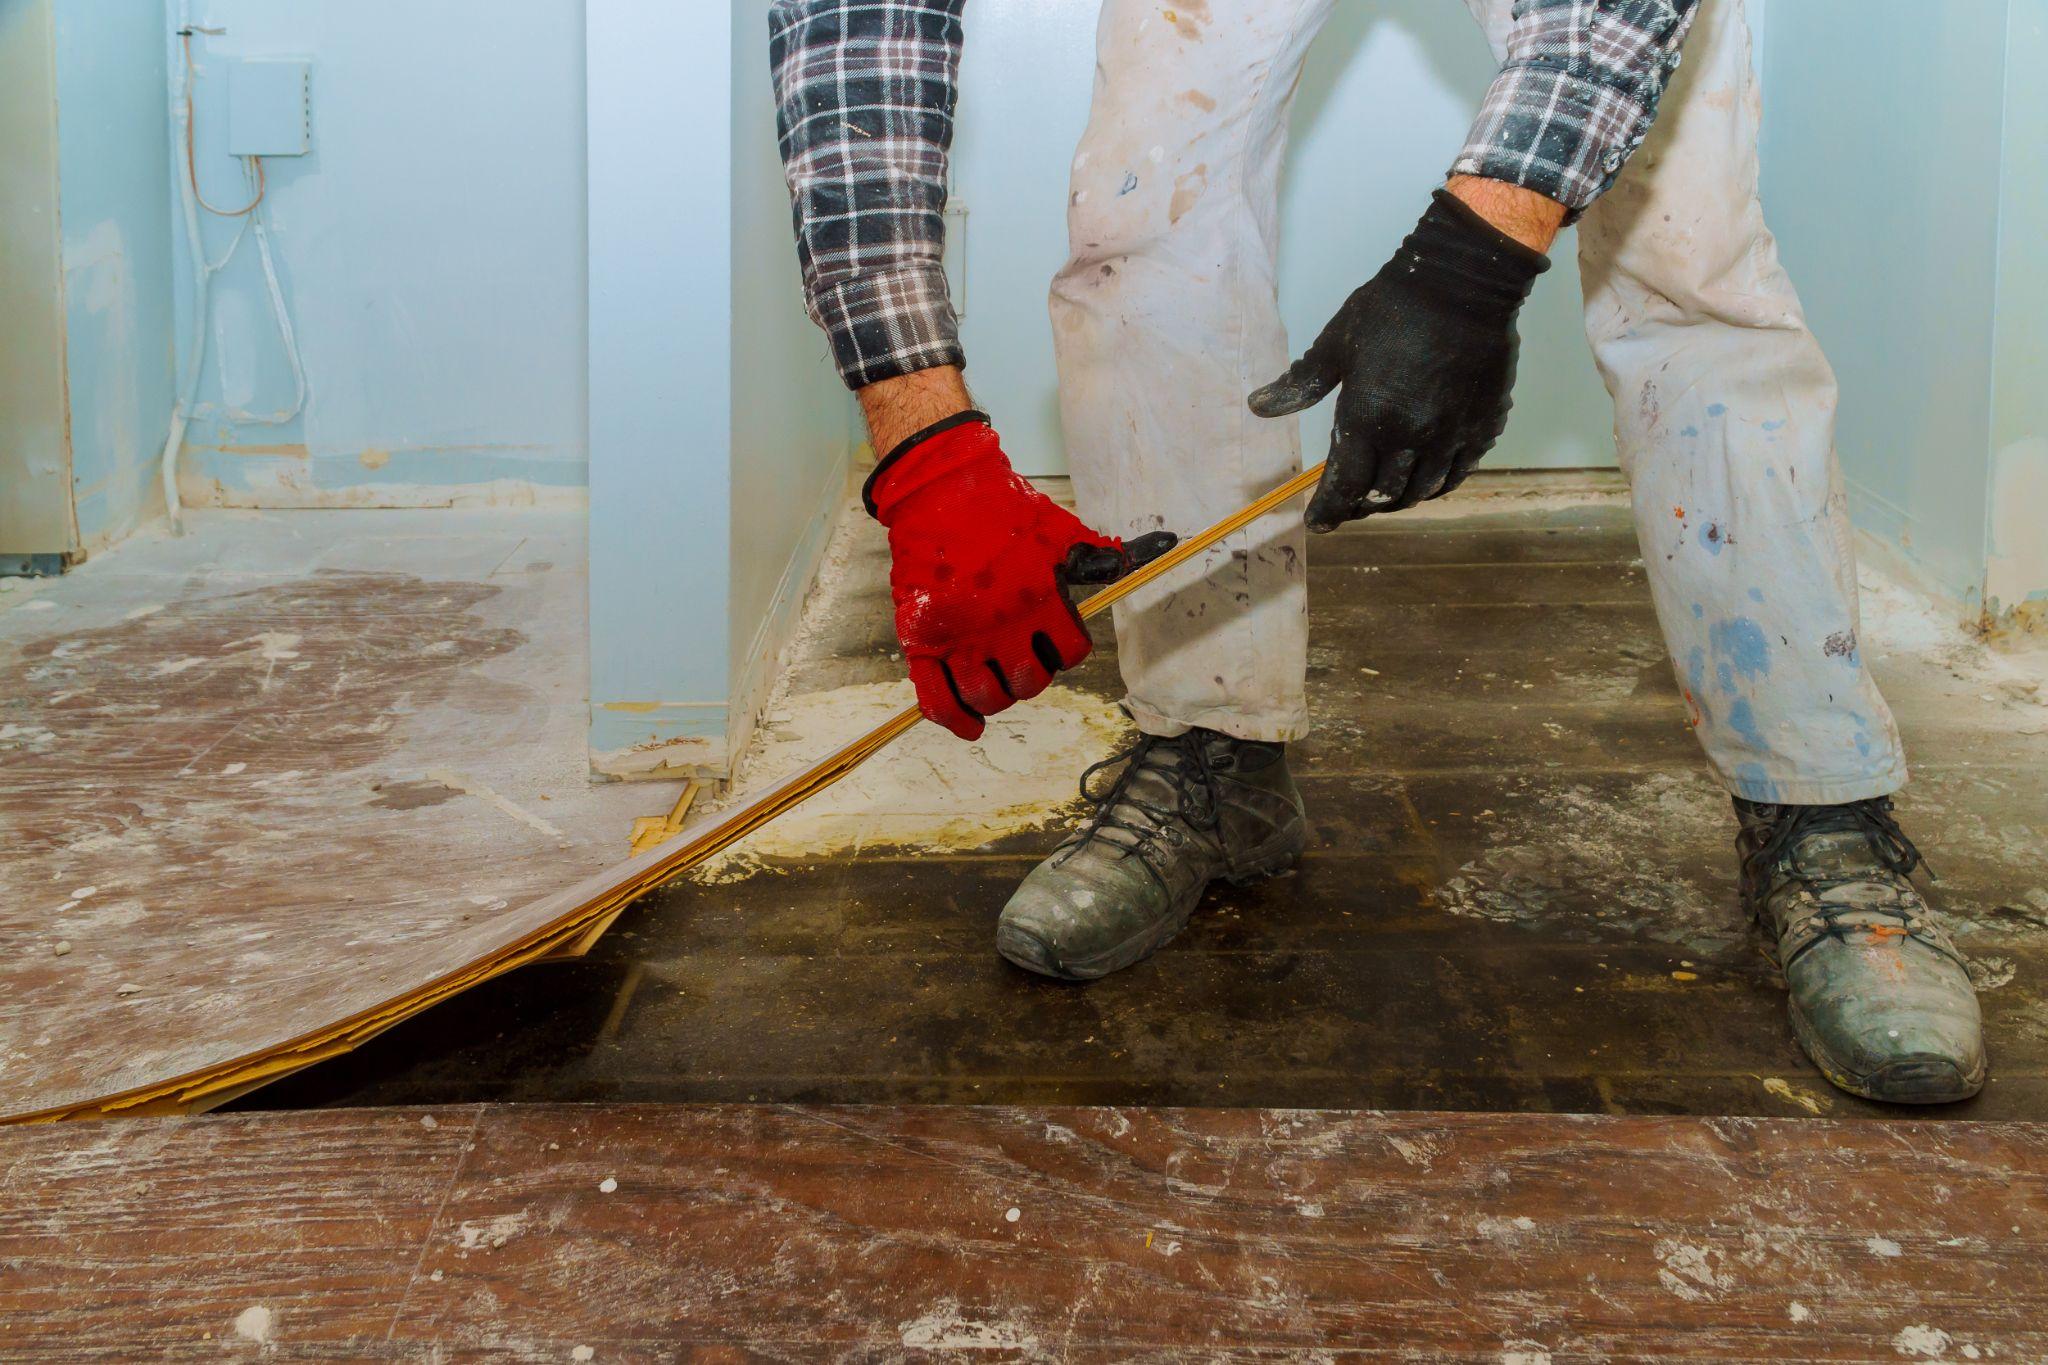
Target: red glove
(980, 565)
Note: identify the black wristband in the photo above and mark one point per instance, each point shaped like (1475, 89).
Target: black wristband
(904, 447)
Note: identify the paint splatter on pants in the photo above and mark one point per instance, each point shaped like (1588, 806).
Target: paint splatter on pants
(1167, 315)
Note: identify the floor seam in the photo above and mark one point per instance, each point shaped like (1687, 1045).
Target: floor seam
(434, 1222)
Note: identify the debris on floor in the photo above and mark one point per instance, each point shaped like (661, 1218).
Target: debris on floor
(1520, 892)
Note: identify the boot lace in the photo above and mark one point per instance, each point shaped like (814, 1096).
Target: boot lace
(1192, 781)
(1872, 817)
(1777, 845)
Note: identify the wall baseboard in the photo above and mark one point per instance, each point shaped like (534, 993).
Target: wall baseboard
(1884, 538)
(1885, 556)
(764, 659)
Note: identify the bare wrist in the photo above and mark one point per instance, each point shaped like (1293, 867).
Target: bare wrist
(1530, 218)
(901, 407)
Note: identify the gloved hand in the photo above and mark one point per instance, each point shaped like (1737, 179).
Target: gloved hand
(980, 561)
(1424, 356)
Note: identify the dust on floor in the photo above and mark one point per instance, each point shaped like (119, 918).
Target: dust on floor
(1520, 893)
(268, 774)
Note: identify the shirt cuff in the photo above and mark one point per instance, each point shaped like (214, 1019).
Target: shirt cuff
(1562, 135)
(889, 323)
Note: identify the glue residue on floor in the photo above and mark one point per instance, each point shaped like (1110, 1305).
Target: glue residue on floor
(929, 790)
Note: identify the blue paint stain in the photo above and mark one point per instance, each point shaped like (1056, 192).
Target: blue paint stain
(1130, 183)
(1716, 409)
(1689, 431)
(1774, 426)
(1863, 744)
(1696, 669)
(1756, 594)
(1770, 472)
(1699, 613)
(1727, 676)
(1742, 720)
(1752, 783)
(1741, 641)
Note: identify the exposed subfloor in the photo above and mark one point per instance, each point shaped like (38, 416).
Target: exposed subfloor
(759, 1232)
(1520, 894)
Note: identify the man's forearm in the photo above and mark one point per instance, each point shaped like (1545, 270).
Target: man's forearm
(897, 409)
(864, 94)
(1530, 218)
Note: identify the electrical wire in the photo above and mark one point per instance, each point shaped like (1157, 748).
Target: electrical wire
(191, 136)
(285, 332)
(187, 406)
(255, 216)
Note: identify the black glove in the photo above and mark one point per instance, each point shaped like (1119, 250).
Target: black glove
(1424, 354)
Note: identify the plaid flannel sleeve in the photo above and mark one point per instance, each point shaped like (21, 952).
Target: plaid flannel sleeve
(865, 92)
(1577, 94)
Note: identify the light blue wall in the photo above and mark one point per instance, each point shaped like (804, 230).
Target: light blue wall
(661, 374)
(1883, 129)
(1385, 103)
(792, 419)
(1025, 74)
(431, 246)
(719, 430)
(2016, 575)
(114, 199)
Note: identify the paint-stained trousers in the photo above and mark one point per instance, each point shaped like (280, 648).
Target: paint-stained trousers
(1166, 317)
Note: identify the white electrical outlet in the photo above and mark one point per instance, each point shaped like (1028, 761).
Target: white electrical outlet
(270, 106)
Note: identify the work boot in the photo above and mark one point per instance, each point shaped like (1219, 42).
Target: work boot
(1183, 812)
(1881, 1000)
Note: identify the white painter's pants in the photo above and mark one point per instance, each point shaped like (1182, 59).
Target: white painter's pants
(1166, 317)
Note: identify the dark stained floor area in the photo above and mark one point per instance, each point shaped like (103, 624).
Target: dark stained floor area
(1520, 896)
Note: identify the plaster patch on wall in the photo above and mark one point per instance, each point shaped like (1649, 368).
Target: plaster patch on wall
(2016, 572)
(688, 756)
(112, 459)
(294, 483)
(99, 260)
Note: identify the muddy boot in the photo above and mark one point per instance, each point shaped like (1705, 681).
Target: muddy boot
(1183, 812)
(1880, 997)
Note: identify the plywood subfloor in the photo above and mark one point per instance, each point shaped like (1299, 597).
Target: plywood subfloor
(552, 1233)
(266, 775)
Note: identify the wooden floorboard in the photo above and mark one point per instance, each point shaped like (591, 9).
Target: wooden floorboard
(656, 1232)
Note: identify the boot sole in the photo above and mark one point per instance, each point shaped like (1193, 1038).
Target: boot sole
(1033, 954)
(1920, 1078)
